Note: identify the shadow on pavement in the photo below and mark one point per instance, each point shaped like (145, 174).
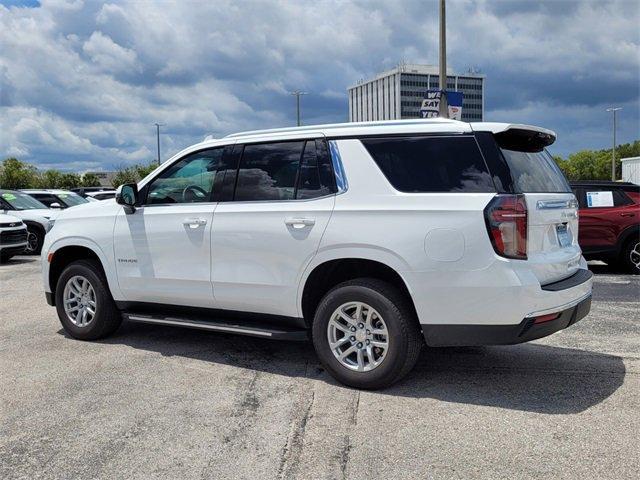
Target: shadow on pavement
(530, 377)
(20, 260)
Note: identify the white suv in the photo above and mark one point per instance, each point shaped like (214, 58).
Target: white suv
(13, 237)
(372, 238)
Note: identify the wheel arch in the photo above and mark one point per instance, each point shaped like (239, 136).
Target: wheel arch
(326, 274)
(61, 256)
(625, 235)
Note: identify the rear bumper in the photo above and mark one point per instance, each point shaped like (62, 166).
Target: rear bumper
(472, 335)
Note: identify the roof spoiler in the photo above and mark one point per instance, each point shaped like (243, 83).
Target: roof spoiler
(524, 138)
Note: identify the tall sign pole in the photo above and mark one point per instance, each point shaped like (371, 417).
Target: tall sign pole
(297, 94)
(613, 150)
(158, 125)
(444, 107)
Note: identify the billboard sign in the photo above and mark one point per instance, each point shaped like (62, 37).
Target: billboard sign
(431, 104)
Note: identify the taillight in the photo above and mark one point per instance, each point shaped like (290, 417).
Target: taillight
(506, 217)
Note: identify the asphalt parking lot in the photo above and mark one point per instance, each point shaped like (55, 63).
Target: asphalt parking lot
(162, 402)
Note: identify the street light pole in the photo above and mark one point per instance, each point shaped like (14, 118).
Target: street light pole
(158, 125)
(613, 151)
(297, 94)
(444, 107)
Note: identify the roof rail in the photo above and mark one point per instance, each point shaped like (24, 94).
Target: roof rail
(330, 126)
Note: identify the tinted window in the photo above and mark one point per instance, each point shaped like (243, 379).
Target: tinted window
(535, 172)
(268, 171)
(187, 181)
(313, 180)
(71, 199)
(431, 164)
(618, 197)
(21, 201)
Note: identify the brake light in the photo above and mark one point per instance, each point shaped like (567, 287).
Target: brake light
(506, 218)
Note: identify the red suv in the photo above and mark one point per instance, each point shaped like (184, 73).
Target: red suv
(610, 222)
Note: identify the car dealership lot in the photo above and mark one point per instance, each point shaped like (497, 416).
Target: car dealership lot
(164, 402)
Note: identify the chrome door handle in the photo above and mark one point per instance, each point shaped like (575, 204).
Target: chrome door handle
(194, 222)
(300, 222)
(627, 214)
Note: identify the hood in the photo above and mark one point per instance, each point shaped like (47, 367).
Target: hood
(5, 218)
(42, 216)
(47, 213)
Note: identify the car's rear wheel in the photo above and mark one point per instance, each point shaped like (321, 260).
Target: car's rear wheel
(83, 302)
(630, 256)
(365, 334)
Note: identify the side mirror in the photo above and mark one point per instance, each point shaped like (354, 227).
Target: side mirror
(127, 195)
(55, 205)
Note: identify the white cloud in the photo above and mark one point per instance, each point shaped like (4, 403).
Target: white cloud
(85, 81)
(108, 55)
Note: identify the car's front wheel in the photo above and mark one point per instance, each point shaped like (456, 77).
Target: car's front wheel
(83, 302)
(365, 333)
(35, 239)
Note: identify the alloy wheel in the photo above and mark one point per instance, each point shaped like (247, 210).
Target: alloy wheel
(79, 301)
(634, 255)
(358, 336)
(32, 242)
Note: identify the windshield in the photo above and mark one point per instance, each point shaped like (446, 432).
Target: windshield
(72, 199)
(535, 172)
(21, 201)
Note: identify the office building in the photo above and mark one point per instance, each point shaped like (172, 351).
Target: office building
(398, 93)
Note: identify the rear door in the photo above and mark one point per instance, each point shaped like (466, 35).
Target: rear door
(605, 211)
(552, 237)
(266, 233)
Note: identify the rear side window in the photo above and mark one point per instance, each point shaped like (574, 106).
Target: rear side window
(597, 197)
(284, 171)
(535, 172)
(431, 164)
(268, 171)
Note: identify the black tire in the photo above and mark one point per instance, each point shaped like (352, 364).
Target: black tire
(629, 259)
(37, 234)
(107, 318)
(405, 338)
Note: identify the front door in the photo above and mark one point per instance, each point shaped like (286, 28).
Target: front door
(163, 249)
(269, 231)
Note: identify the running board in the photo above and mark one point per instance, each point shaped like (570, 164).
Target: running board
(251, 328)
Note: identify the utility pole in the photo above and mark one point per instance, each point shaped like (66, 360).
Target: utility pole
(444, 107)
(158, 125)
(613, 151)
(297, 94)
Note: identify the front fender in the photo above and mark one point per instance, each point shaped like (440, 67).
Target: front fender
(79, 241)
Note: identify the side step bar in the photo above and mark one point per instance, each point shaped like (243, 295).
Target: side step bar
(253, 329)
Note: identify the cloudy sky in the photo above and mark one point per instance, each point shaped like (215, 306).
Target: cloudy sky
(83, 82)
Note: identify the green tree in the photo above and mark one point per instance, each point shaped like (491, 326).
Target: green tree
(69, 180)
(596, 164)
(49, 179)
(16, 174)
(90, 180)
(132, 174)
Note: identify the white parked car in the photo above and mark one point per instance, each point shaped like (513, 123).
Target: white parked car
(13, 237)
(36, 216)
(370, 238)
(56, 198)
